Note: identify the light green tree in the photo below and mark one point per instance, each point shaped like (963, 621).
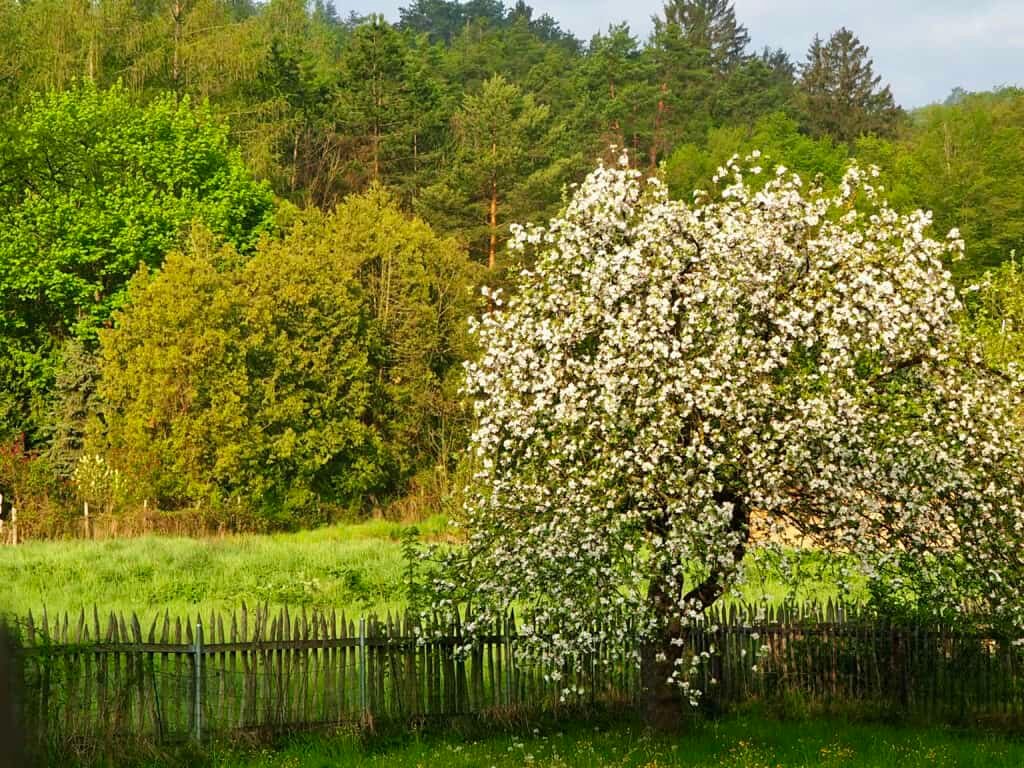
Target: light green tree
(776, 136)
(93, 184)
(319, 372)
(964, 161)
(996, 313)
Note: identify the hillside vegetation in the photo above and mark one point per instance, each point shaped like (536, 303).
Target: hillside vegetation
(240, 242)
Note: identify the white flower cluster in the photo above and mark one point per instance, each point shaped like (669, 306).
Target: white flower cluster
(96, 481)
(665, 370)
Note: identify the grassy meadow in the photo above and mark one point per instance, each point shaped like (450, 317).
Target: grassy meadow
(357, 568)
(743, 741)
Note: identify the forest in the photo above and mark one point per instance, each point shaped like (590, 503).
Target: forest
(240, 242)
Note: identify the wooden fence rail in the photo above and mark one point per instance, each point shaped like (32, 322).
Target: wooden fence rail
(93, 677)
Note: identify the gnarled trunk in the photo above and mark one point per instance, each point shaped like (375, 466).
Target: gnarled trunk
(662, 700)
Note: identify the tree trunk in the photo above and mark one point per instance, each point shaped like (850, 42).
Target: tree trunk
(656, 138)
(376, 151)
(91, 74)
(176, 13)
(662, 700)
(493, 222)
(415, 168)
(295, 163)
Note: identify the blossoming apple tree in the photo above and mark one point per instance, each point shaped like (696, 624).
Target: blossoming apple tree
(665, 372)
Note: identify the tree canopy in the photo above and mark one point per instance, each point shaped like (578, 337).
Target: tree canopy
(92, 184)
(666, 374)
(131, 128)
(843, 97)
(315, 373)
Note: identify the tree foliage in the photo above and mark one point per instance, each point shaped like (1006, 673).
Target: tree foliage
(996, 306)
(841, 93)
(315, 373)
(500, 137)
(964, 161)
(664, 373)
(777, 137)
(92, 185)
(126, 122)
(711, 27)
(323, 107)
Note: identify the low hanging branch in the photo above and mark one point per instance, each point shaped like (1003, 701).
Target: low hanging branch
(777, 350)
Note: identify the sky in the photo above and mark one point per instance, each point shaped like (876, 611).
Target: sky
(922, 48)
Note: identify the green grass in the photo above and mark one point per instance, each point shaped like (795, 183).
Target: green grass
(357, 568)
(734, 742)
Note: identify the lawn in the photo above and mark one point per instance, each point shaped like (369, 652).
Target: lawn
(734, 742)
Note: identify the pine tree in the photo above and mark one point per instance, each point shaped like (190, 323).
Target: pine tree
(443, 20)
(290, 137)
(374, 94)
(500, 140)
(494, 130)
(694, 50)
(616, 89)
(710, 26)
(840, 91)
(686, 84)
(762, 85)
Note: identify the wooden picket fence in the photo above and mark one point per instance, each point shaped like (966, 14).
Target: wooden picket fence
(834, 655)
(93, 677)
(263, 671)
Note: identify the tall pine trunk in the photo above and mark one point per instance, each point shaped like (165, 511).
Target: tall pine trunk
(493, 223)
(176, 13)
(656, 138)
(492, 219)
(376, 152)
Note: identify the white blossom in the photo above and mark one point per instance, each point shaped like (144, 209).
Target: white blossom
(665, 371)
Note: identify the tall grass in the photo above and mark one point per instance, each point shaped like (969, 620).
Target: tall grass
(356, 567)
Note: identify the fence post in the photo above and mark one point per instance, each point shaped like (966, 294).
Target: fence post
(362, 666)
(198, 668)
(510, 627)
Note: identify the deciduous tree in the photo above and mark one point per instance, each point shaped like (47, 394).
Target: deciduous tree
(664, 373)
(317, 373)
(93, 184)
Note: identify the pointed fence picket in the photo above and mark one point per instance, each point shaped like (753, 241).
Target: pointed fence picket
(263, 670)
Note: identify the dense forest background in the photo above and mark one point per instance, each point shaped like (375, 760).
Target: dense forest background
(239, 242)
